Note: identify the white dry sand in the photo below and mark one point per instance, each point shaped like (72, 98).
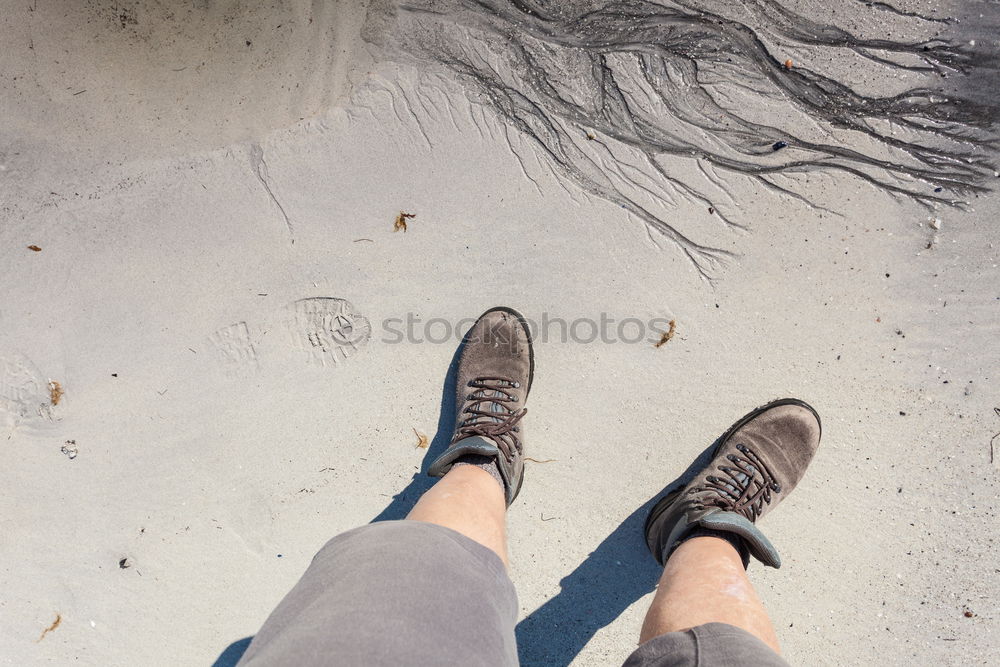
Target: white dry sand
(203, 448)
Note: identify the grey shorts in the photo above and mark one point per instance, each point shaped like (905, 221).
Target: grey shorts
(411, 593)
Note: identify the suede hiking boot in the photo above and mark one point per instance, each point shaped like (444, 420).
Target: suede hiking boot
(757, 462)
(494, 377)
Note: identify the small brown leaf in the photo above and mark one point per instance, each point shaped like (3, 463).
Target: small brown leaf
(35, 248)
(667, 335)
(422, 442)
(55, 392)
(401, 221)
(55, 624)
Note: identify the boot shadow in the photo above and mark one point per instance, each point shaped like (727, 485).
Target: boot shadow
(232, 653)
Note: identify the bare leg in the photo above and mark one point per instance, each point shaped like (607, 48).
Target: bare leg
(704, 582)
(469, 501)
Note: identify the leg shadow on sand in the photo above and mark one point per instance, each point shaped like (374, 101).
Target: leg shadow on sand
(616, 574)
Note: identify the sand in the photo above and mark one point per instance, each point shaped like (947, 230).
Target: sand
(215, 295)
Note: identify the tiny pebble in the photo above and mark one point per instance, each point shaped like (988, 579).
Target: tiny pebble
(70, 449)
(936, 223)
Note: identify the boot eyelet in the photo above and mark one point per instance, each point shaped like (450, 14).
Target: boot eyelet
(517, 385)
(776, 487)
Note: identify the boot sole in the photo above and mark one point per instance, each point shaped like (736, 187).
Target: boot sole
(663, 503)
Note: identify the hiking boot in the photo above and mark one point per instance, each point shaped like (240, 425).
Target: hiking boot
(494, 376)
(757, 462)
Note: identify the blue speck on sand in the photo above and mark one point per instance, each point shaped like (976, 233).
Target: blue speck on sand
(778, 145)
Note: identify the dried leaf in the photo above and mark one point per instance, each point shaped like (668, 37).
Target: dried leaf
(422, 442)
(401, 221)
(55, 392)
(55, 624)
(35, 248)
(667, 335)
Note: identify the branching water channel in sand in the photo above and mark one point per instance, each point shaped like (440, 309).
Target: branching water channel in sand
(646, 104)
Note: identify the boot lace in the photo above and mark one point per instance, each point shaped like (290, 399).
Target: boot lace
(489, 412)
(745, 488)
